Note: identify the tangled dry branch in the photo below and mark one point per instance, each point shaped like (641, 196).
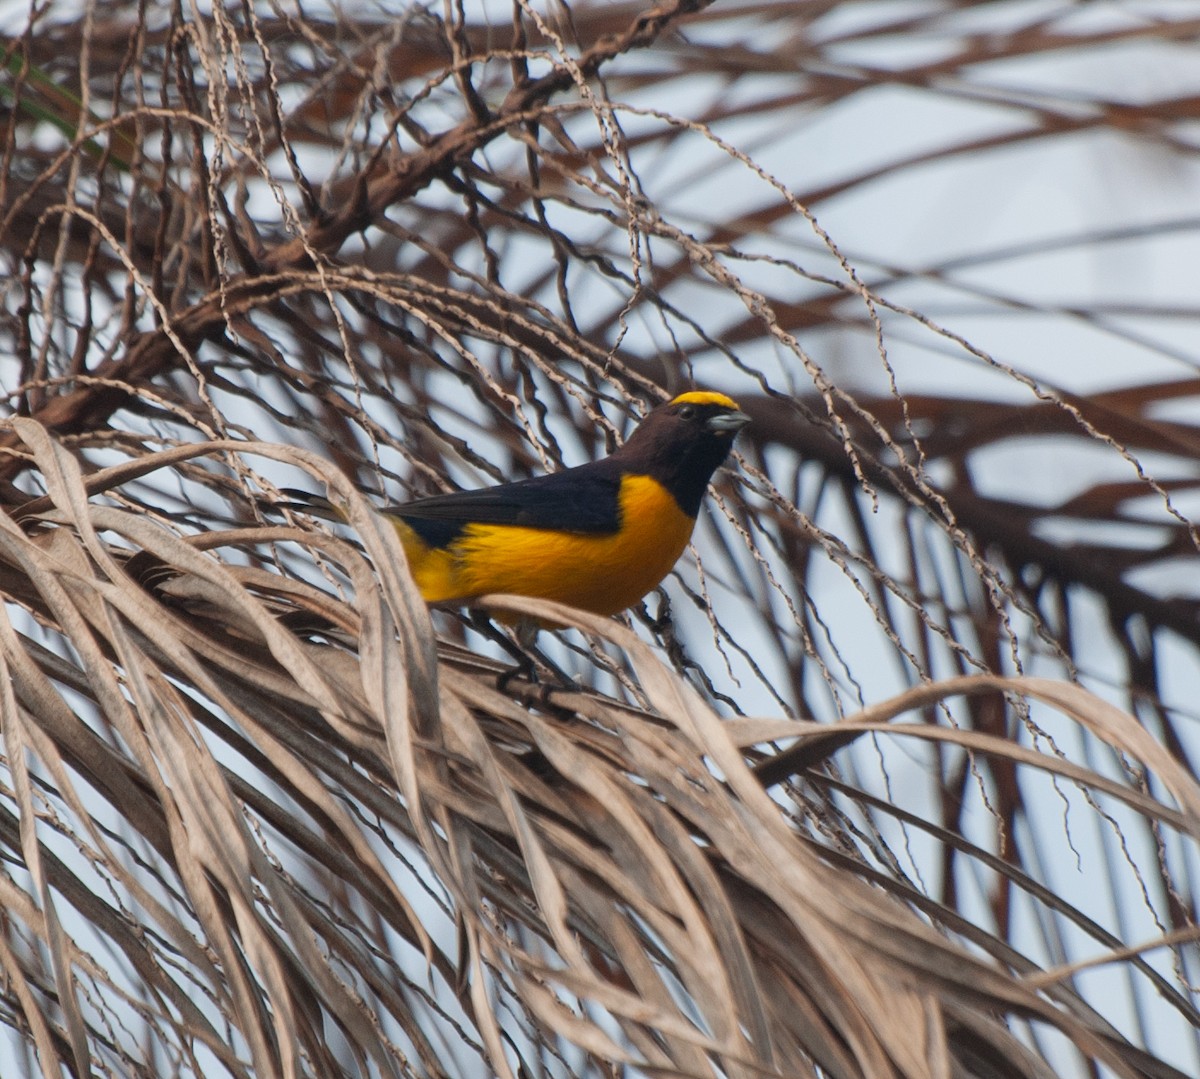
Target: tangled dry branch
(823, 806)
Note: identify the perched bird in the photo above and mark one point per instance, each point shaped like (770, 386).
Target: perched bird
(598, 536)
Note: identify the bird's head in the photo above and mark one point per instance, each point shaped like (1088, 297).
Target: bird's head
(682, 443)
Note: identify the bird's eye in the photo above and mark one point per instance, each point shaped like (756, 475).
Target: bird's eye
(687, 412)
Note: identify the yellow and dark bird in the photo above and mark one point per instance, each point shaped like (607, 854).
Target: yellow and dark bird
(598, 536)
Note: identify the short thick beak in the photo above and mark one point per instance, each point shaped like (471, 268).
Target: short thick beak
(727, 421)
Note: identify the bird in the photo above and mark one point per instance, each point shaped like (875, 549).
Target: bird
(598, 536)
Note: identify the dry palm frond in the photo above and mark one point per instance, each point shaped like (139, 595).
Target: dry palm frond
(263, 814)
(259, 800)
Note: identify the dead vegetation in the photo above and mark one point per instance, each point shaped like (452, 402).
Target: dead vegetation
(895, 780)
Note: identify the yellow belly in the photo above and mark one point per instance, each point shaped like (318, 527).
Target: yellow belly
(604, 574)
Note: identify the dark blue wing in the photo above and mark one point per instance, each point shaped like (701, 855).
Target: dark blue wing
(585, 499)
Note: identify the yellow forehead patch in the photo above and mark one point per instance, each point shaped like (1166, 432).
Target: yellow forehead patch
(705, 397)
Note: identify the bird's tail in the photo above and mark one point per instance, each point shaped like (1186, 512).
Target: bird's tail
(307, 502)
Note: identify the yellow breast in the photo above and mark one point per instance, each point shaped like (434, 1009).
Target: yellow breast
(604, 574)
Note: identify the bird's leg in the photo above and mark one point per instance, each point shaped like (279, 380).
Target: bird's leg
(524, 650)
(527, 630)
(482, 623)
